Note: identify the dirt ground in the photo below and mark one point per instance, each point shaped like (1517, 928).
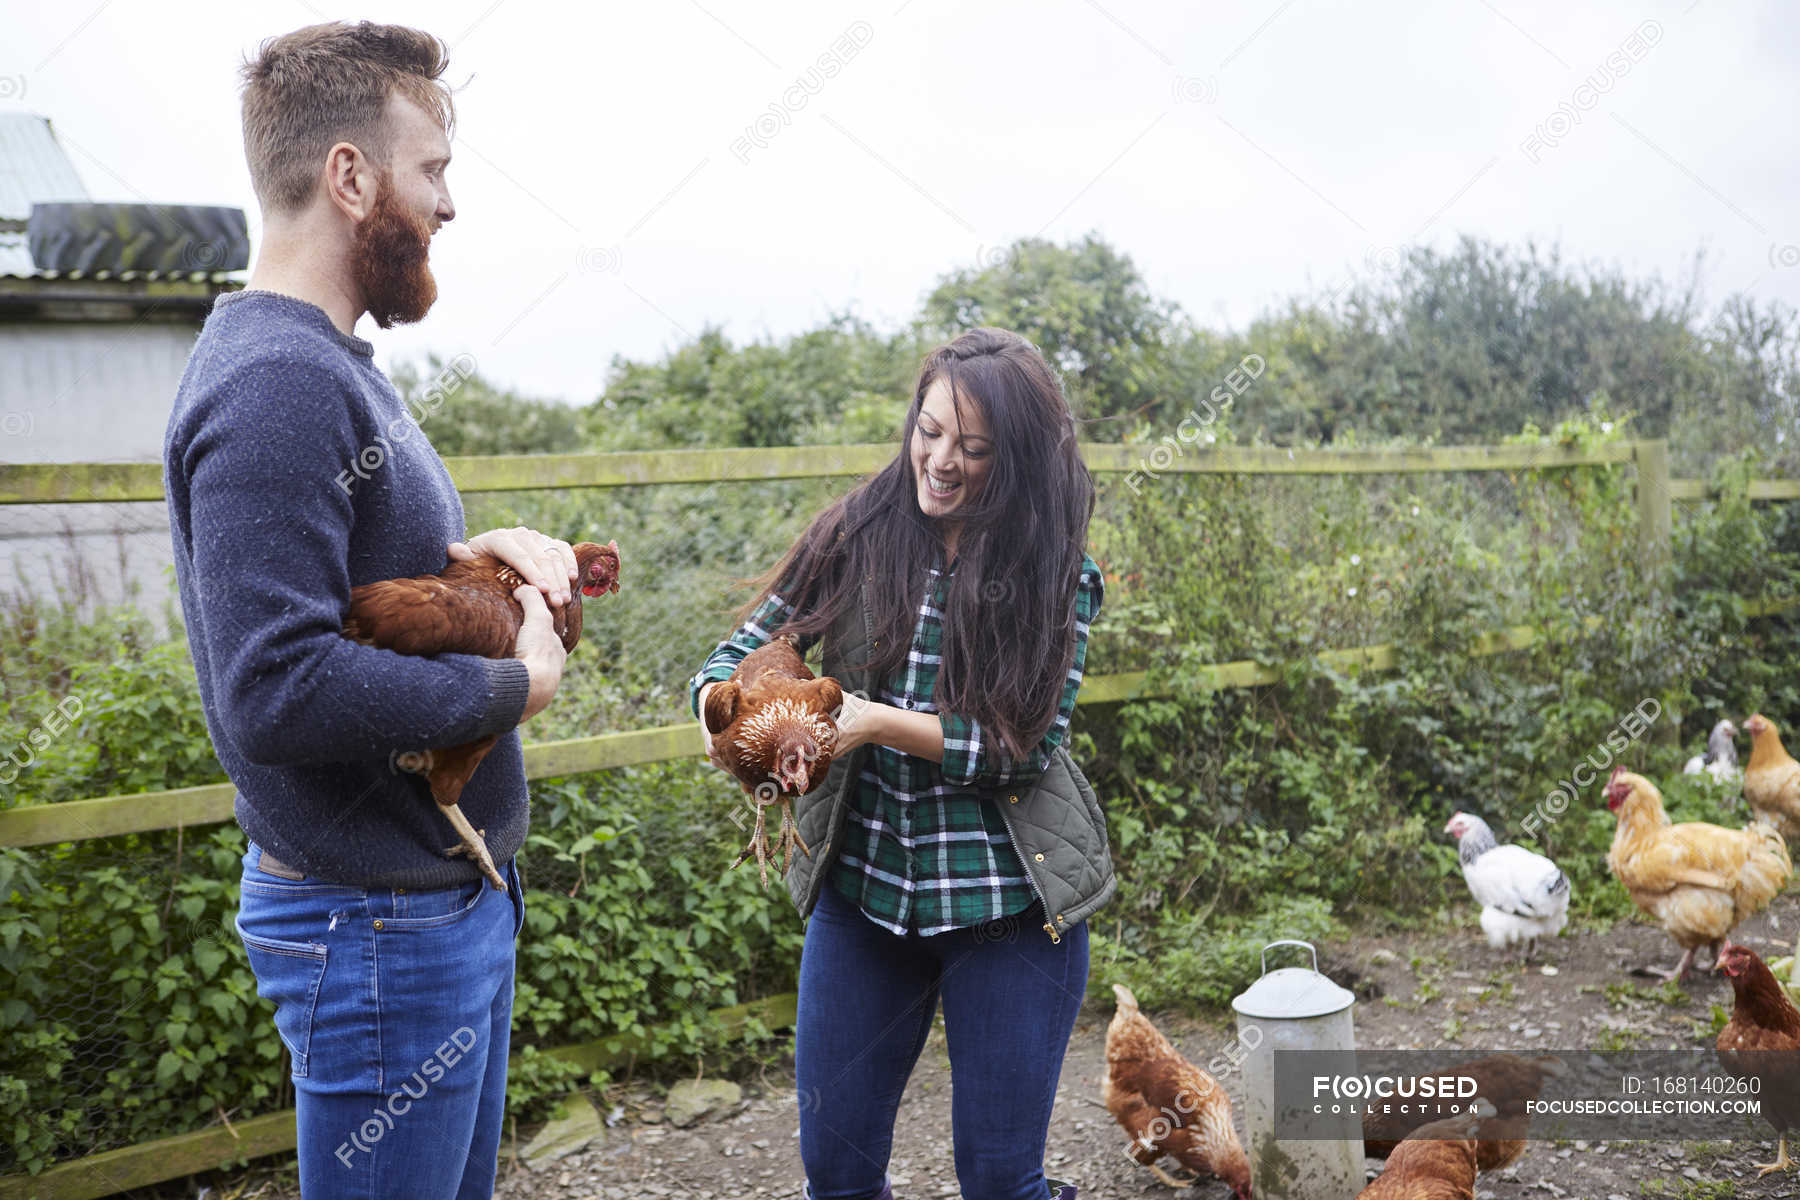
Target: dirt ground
(1411, 989)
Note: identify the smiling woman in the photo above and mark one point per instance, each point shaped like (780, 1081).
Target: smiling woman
(953, 590)
(951, 453)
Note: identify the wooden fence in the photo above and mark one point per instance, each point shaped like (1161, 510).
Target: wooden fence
(106, 816)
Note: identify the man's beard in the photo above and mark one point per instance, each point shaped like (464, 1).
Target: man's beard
(391, 254)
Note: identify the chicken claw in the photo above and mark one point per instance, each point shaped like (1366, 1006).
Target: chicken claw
(1679, 973)
(758, 845)
(786, 838)
(472, 845)
(1171, 1180)
(790, 835)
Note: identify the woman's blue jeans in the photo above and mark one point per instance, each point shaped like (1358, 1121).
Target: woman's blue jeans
(867, 997)
(395, 1007)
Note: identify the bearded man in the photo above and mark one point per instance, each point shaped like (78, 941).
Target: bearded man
(295, 473)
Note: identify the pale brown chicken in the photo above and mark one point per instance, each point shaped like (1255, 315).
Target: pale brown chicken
(1506, 1081)
(1772, 779)
(467, 608)
(772, 723)
(1166, 1104)
(1697, 880)
(1438, 1161)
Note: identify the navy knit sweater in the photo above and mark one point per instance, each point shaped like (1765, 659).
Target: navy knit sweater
(278, 417)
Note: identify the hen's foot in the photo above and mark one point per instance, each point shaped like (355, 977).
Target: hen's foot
(472, 845)
(789, 837)
(759, 846)
(1170, 1179)
(1782, 1161)
(1680, 971)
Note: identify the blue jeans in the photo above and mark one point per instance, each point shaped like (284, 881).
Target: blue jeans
(396, 1009)
(867, 997)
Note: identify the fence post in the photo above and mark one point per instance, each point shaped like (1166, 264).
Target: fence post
(1655, 522)
(1656, 539)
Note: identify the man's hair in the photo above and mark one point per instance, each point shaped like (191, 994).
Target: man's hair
(307, 90)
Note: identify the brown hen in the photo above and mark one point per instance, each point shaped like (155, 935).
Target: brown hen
(1166, 1104)
(1506, 1081)
(1762, 1041)
(772, 723)
(1434, 1162)
(467, 608)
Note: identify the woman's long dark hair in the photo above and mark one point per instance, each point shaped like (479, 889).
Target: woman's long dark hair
(1009, 621)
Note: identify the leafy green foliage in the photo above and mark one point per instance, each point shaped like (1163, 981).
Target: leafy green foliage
(1088, 309)
(843, 382)
(130, 1010)
(1472, 344)
(132, 709)
(463, 413)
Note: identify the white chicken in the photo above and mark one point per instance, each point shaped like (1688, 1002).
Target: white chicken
(1523, 896)
(1720, 760)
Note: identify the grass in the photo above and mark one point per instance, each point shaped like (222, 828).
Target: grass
(1499, 987)
(1617, 1041)
(1623, 995)
(1701, 1153)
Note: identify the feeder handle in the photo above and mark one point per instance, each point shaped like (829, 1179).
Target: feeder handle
(1289, 942)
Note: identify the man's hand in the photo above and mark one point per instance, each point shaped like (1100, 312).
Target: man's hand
(539, 648)
(544, 562)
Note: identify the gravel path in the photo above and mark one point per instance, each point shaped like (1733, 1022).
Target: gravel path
(1412, 990)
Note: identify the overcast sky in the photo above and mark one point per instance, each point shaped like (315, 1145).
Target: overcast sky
(626, 174)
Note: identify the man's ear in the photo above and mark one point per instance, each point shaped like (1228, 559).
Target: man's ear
(350, 181)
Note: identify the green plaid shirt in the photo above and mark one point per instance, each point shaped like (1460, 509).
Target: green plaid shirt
(924, 850)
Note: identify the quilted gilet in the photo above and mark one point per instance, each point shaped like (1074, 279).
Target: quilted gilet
(1054, 821)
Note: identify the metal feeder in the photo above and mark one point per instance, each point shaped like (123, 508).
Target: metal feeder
(1295, 1008)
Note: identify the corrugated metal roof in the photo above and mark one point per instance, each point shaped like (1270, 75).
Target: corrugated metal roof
(33, 167)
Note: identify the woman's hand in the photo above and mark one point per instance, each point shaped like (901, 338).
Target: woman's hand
(868, 721)
(854, 724)
(858, 722)
(541, 560)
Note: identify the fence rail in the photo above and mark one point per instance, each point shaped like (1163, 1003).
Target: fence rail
(70, 483)
(53, 483)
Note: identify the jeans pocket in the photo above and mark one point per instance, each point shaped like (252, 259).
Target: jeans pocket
(440, 908)
(288, 974)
